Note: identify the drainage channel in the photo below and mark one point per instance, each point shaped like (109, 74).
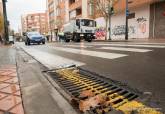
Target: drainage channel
(98, 95)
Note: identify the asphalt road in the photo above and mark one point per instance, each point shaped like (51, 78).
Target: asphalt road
(141, 65)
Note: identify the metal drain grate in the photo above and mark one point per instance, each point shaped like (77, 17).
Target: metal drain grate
(93, 92)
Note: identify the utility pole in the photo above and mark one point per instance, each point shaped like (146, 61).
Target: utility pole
(110, 13)
(5, 21)
(126, 23)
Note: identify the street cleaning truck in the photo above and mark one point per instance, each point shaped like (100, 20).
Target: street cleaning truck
(78, 29)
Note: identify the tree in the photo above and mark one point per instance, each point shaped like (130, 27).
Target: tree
(1, 23)
(106, 9)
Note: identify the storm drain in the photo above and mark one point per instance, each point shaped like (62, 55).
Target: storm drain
(95, 94)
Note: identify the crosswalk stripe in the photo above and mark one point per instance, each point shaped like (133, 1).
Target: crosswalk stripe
(91, 53)
(51, 61)
(151, 43)
(126, 49)
(131, 45)
(78, 46)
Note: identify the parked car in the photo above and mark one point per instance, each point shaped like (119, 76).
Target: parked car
(34, 37)
(11, 40)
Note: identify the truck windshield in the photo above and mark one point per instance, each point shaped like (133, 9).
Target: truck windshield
(89, 23)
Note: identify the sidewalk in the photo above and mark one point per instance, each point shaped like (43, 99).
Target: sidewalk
(10, 95)
(24, 89)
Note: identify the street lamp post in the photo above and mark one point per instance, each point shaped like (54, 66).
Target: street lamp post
(110, 12)
(126, 23)
(110, 6)
(5, 21)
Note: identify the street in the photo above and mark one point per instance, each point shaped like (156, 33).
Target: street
(82, 57)
(138, 64)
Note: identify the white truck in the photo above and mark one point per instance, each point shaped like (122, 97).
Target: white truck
(78, 29)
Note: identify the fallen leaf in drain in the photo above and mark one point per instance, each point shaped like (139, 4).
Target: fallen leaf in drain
(87, 93)
(85, 105)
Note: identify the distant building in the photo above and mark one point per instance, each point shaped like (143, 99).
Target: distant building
(24, 23)
(35, 22)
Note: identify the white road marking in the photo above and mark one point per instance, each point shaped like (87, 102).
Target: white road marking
(78, 46)
(50, 60)
(126, 49)
(150, 43)
(91, 53)
(131, 45)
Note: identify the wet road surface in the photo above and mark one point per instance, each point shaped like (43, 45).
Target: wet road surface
(139, 65)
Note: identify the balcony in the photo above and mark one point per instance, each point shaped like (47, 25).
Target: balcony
(49, 1)
(75, 5)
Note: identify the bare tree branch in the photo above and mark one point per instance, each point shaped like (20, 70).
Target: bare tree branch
(102, 5)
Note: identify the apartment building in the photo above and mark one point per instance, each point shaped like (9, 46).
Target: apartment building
(57, 16)
(35, 22)
(81, 8)
(24, 23)
(146, 20)
(51, 15)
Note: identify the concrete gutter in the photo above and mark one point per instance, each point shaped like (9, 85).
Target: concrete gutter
(39, 96)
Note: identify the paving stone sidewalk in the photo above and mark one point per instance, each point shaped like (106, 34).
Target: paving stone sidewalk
(10, 95)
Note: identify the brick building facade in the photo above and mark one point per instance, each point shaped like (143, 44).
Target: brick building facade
(35, 22)
(143, 24)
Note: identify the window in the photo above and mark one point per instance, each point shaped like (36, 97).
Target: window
(78, 22)
(86, 22)
(51, 14)
(71, 2)
(78, 11)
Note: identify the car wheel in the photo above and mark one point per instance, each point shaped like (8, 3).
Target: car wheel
(28, 43)
(43, 42)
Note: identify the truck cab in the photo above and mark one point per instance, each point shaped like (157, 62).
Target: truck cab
(80, 29)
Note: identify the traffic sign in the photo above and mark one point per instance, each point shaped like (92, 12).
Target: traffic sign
(127, 12)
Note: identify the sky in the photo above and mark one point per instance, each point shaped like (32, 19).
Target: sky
(16, 8)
